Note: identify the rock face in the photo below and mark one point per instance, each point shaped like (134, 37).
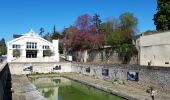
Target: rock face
(24, 89)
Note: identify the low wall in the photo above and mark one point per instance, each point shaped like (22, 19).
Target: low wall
(5, 82)
(158, 77)
(40, 67)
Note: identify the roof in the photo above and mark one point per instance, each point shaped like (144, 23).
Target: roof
(16, 36)
(31, 33)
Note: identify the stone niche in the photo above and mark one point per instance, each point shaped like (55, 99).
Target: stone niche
(105, 72)
(88, 69)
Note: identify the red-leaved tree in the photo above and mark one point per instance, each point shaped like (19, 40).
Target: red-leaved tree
(82, 35)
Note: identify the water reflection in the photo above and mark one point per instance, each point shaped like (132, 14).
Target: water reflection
(58, 88)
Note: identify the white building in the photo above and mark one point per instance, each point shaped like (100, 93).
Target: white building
(32, 49)
(154, 49)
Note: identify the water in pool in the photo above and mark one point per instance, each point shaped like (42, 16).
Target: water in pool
(58, 88)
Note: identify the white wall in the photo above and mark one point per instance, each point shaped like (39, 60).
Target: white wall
(43, 67)
(56, 49)
(31, 38)
(155, 49)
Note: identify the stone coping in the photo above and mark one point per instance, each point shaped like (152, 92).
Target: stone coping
(34, 62)
(124, 66)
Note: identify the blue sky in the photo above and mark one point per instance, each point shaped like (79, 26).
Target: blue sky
(19, 16)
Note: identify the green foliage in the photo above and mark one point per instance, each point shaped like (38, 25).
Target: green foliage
(126, 52)
(47, 53)
(106, 27)
(128, 20)
(2, 43)
(3, 51)
(117, 33)
(97, 22)
(162, 23)
(41, 31)
(16, 53)
(128, 24)
(162, 17)
(116, 37)
(55, 35)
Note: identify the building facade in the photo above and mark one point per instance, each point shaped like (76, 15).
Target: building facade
(32, 48)
(154, 49)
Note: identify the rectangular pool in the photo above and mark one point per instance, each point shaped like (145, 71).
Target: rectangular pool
(58, 88)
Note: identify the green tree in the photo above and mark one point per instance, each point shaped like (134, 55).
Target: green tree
(162, 17)
(128, 24)
(116, 38)
(3, 51)
(54, 29)
(96, 21)
(106, 27)
(55, 34)
(2, 42)
(126, 52)
(114, 21)
(41, 31)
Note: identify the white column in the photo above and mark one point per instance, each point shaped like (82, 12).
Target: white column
(23, 54)
(56, 50)
(9, 53)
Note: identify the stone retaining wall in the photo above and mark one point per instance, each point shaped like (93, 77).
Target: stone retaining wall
(157, 77)
(149, 76)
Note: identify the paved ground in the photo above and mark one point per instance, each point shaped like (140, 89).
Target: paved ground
(23, 89)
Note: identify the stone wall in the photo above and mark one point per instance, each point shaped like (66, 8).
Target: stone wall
(38, 67)
(148, 76)
(5, 82)
(158, 77)
(98, 56)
